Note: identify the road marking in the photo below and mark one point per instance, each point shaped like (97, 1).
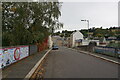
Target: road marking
(97, 56)
(28, 76)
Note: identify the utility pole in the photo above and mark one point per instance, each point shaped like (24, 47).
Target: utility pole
(88, 27)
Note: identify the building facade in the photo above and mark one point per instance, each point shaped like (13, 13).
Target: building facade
(75, 38)
(57, 40)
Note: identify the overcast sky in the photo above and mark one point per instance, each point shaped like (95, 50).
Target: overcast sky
(99, 14)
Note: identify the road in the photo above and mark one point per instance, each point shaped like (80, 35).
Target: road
(66, 63)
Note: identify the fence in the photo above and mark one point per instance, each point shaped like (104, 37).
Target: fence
(115, 52)
(33, 49)
(87, 48)
(13, 54)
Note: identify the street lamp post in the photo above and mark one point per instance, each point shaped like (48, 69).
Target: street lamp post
(88, 26)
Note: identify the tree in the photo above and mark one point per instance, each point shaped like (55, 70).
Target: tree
(84, 32)
(28, 23)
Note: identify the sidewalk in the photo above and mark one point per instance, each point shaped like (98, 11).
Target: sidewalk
(105, 57)
(101, 55)
(20, 69)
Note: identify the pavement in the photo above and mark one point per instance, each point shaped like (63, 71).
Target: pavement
(68, 63)
(20, 69)
(101, 56)
(98, 54)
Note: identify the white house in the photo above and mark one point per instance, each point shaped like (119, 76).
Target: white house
(77, 39)
(74, 37)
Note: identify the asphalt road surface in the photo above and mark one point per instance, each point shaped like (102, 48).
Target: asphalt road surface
(66, 63)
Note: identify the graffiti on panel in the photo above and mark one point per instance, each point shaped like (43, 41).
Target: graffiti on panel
(17, 54)
(11, 55)
(0, 58)
(24, 52)
(7, 56)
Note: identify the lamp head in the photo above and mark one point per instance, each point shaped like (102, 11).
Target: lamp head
(83, 20)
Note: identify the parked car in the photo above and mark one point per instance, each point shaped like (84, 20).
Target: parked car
(55, 47)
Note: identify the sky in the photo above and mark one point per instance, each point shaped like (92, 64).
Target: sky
(100, 14)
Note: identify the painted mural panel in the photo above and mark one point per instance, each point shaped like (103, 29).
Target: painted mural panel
(24, 52)
(7, 57)
(11, 55)
(0, 58)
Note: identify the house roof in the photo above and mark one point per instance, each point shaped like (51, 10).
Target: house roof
(76, 32)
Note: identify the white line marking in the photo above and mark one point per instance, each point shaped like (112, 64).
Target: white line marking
(27, 77)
